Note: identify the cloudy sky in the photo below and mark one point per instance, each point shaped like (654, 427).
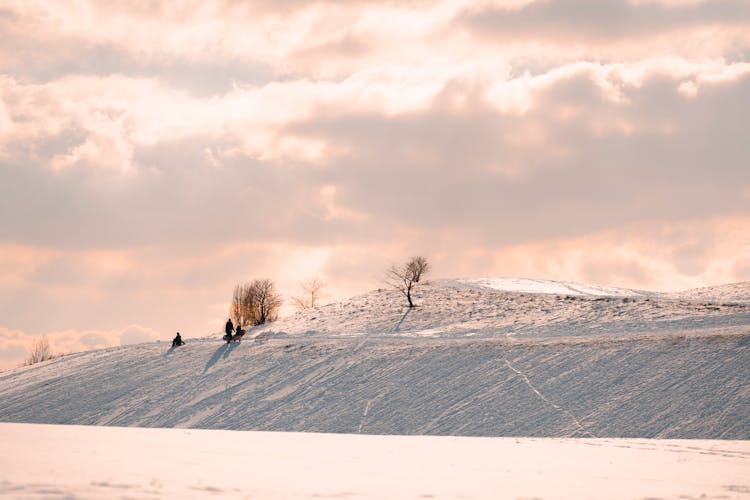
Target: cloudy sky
(154, 155)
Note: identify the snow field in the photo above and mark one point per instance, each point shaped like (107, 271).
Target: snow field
(55, 462)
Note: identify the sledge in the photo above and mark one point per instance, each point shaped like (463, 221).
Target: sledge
(233, 338)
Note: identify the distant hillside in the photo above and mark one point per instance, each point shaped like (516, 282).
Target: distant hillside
(470, 360)
(505, 308)
(733, 292)
(522, 285)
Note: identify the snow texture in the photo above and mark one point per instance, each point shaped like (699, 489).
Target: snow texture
(476, 358)
(61, 462)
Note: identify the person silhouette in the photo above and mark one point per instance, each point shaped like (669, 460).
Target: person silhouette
(228, 330)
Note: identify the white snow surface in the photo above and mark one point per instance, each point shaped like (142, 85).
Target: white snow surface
(469, 360)
(56, 462)
(553, 287)
(580, 391)
(505, 308)
(731, 292)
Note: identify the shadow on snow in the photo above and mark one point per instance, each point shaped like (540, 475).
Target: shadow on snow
(221, 352)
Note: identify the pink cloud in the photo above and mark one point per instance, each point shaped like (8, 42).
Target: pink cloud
(15, 344)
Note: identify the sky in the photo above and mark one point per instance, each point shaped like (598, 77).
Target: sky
(155, 153)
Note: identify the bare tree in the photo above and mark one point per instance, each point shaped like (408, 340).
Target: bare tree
(267, 302)
(243, 304)
(255, 303)
(405, 277)
(39, 351)
(311, 291)
(236, 310)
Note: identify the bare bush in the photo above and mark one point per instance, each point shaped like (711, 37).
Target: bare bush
(255, 303)
(311, 291)
(407, 276)
(39, 351)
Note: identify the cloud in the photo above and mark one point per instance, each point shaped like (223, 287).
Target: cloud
(13, 348)
(568, 151)
(575, 161)
(136, 334)
(659, 256)
(543, 34)
(106, 290)
(284, 37)
(207, 49)
(15, 344)
(614, 19)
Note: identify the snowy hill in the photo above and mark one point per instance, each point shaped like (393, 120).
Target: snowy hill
(474, 359)
(553, 287)
(732, 292)
(513, 309)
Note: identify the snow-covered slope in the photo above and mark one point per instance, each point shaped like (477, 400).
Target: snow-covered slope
(495, 308)
(732, 292)
(524, 285)
(470, 360)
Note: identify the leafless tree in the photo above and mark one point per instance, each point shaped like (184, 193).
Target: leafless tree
(39, 351)
(243, 304)
(255, 303)
(268, 301)
(404, 278)
(311, 291)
